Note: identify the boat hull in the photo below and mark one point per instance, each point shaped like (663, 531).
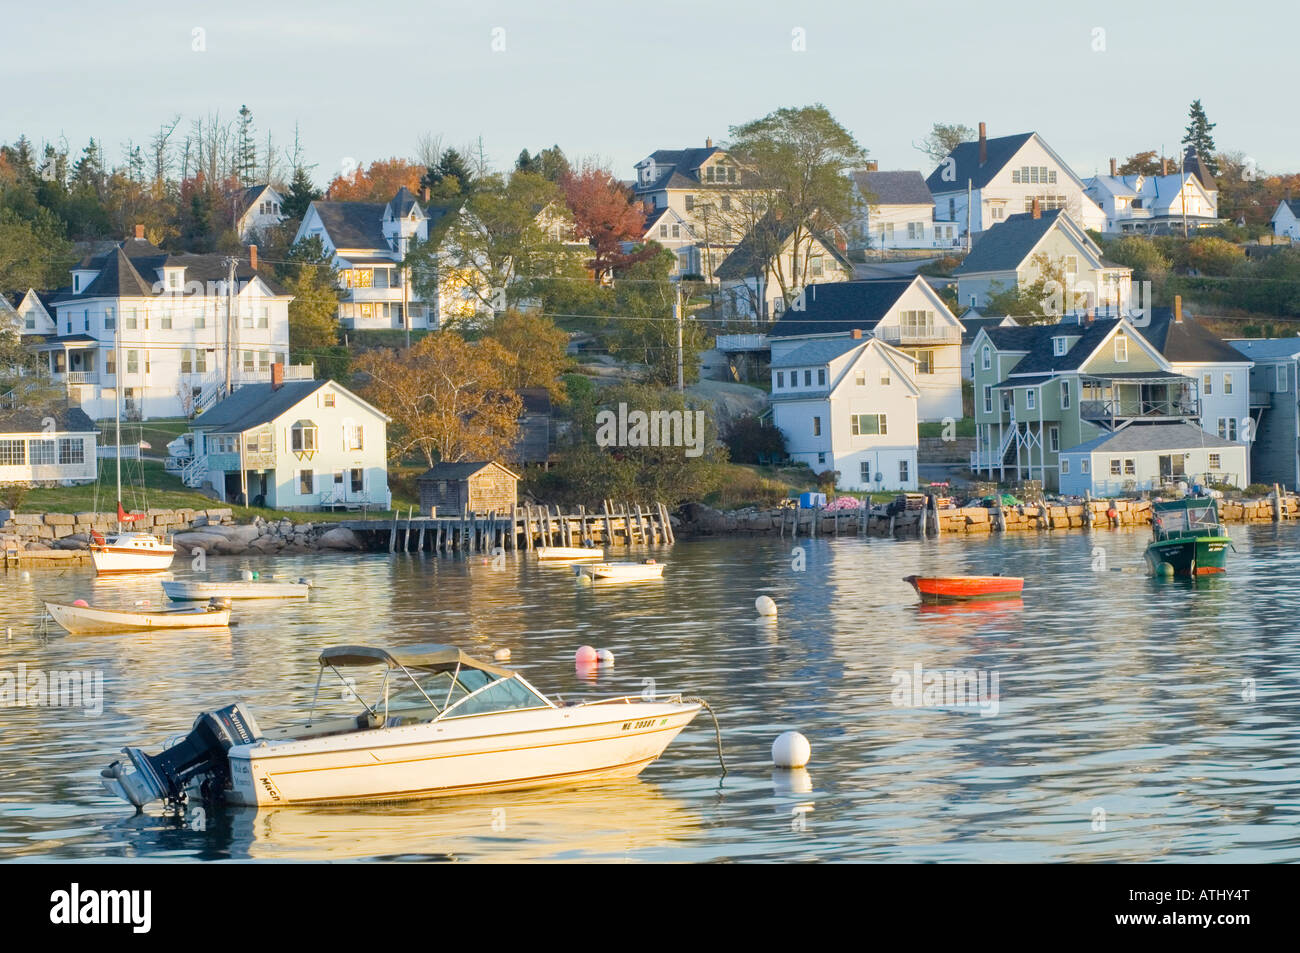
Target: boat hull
(459, 756)
(1199, 556)
(567, 553)
(621, 572)
(961, 588)
(188, 591)
(87, 620)
(131, 553)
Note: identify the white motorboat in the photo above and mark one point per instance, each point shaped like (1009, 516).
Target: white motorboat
(130, 552)
(443, 723)
(89, 620)
(189, 590)
(621, 572)
(569, 553)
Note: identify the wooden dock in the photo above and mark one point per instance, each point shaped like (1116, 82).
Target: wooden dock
(525, 527)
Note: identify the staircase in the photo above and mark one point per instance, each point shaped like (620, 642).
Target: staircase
(209, 396)
(193, 471)
(1007, 449)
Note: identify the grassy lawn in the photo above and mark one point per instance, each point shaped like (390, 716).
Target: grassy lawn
(965, 428)
(163, 490)
(156, 433)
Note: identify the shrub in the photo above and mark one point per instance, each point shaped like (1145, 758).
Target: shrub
(749, 440)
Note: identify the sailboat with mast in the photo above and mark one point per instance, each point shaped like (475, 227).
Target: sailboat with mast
(127, 551)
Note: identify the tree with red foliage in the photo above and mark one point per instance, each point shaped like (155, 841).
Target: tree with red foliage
(379, 183)
(606, 215)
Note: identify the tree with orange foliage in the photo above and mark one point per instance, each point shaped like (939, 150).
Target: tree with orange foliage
(378, 183)
(607, 215)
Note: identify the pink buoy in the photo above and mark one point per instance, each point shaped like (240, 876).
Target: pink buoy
(83, 603)
(585, 656)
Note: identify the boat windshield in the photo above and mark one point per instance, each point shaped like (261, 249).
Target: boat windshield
(1194, 520)
(417, 692)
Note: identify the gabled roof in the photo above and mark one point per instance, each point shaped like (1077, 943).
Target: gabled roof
(461, 471)
(894, 188)
(28, 420)
(839, 307)
(1005, 246)
(1138, 437)
(676, 168)
(817, 352)
(971, 326)
(1187, 341)
(353, 224)
(966, 157)
(746, 257)
(124, 275)
(1292, 204)
(255, 404)
(1268, 349)
(400, 205)
(1192, 164)
(131, 247)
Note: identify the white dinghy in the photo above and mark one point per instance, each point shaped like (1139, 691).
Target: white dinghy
(569, 553)
(622, 572)
(188, 590)
(444, 723)
(89, 620)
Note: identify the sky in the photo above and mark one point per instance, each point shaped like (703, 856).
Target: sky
(615, 81)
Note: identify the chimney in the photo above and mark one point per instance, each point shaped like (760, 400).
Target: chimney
(1113, 170)
(873, 165)
(277, 375)
(1037, 209)
(857, 334)
(708, 142)
(424, 194)
(252, 257)
(1178, 309)
(139, 232)
(1164, 166)
(984, 145)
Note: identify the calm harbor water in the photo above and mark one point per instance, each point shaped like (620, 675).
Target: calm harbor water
(1136, 719)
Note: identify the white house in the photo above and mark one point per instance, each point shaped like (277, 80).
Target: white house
(1144, 457)
(1003, 177)
(748, 278)
(903, 312)
(37, 447)
(1134, 204)
(31, 312)
(180, 324)
(1286, 220)
(293, 445)
(667, 227)
(1004, 258)
(849, 404)
(898, 213)
(257, 208)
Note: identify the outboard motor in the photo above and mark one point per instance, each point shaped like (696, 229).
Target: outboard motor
(203, 752)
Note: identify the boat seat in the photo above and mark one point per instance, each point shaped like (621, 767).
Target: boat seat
(319, 729)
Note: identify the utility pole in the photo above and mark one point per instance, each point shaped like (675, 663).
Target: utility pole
(230, 312)
(406, 300)
(677, 315)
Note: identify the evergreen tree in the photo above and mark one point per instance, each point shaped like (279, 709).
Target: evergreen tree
(1198, 135)
(526, 163)
(88, 173)
(301, 194)
(246, 149)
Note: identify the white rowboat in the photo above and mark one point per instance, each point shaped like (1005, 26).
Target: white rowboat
(621, 572)
(190, 591)
(444, 724)
(88, 620)
(563, 553)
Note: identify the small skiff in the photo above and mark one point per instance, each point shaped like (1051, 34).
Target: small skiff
(621, 572)
(564, 553)
(88, 620)
(947, 588)
(191, 591)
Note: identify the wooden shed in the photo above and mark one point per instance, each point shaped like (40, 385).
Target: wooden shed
(475, 487)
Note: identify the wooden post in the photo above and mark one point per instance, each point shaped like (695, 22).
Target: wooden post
(1277, 503)
(392, 535)
(582, 524)
(512, 540)
(794, 534)
(1087, 509)
(609, 524)
(419, 548)
(667, 523)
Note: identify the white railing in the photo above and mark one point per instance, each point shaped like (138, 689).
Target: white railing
(130, 451)
(901, 335)
(81, 377)
(193, 470)
(262, 375)
(741, 342)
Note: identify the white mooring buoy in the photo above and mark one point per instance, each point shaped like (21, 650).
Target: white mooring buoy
(501, 655)
(765, 606)
(605, 657)
(791, 750)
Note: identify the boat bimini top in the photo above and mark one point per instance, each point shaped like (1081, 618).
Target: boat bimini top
(435, 682)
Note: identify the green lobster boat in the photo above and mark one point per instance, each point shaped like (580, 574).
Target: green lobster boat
(1186, 535)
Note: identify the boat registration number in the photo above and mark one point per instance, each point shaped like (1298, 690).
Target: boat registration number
(634, 725)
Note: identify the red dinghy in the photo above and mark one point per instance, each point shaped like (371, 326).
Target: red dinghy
(947, 588)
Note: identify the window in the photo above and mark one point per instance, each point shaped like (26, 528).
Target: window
(864, 470)
(306, 482)
(358, 479)
(884, 377)
(248, 362)
(817, 426)
(200, 361)
(988, 399)
(1228, 428)
(690, 203)
(354, 437)
(329, 400)
(780, 379)
(663, 231)
(998, 212)
(1054, 439)
(1065, 466)
(1031, 398)
(818, 266)
(1058, 346)
(165, 322)
(1281, 378)
(302, 437)
(1114, 467)
(807, 378)
(903, 471)
(1121, 349)
(916, 230)
(187, 361)
(1215, 461)
(1065, 395)
(1130, 467)
(677, 231)
(821, 377)
(917, 324)
(1207, 385)
(1033, 175)
(133, 362)
(860, 379)
(986, 358)
(110, 322)
(1085, 466)
(1227, 382)
(1071, 264)
(13, 453)
(868, 425)
(72, 450)
(110, 362)
(263, 318)
(925, 362)
(132, 322)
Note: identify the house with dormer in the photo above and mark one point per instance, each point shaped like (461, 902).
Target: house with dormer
(905, 313)
(849, 404)
(1138, 204)
(257, 208)
(171, 331)
(1011, 255)
(982, 183)
(367, 242)
(1044, 391)
(750, 278)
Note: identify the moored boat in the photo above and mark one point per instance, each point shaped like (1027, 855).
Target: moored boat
(1186, 536)
(130, 552)
(566, 553)
(188, 590)
(90, 620)
(443, 723)
(952, 588)
(622, 572)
